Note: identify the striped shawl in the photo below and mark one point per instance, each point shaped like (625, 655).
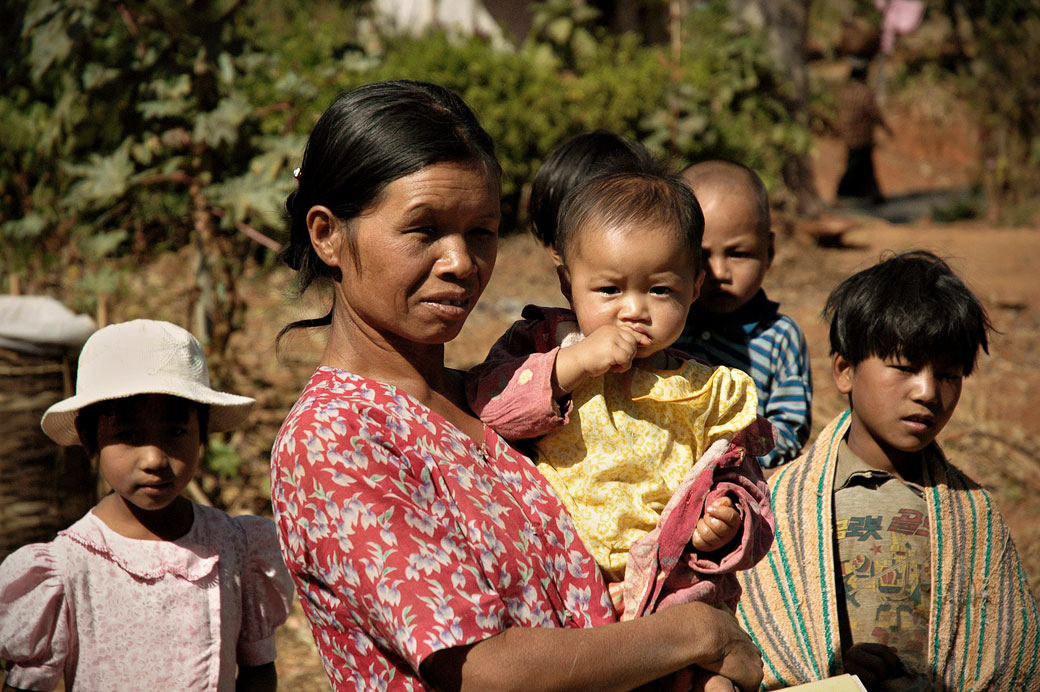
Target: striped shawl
(984, 631)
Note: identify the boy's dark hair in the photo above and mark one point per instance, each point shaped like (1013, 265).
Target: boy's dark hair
(911, 305)
(625, 200)
(580, 158)
(178, 407)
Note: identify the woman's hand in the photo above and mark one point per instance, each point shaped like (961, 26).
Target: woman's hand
(731, 653)
(610, 658)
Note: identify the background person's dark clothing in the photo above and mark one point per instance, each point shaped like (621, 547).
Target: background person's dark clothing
(858, 116)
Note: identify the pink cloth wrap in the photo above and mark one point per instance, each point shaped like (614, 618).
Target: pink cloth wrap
(664, 570)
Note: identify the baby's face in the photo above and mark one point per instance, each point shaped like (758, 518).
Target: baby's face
(638, 278)
(736, 253)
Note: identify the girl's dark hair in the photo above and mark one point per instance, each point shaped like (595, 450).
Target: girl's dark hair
(911, 305)
(582, 157)
(176, 407)
(632, 200)
(368, 138)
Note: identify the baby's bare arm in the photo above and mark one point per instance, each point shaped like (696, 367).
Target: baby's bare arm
(717, 527)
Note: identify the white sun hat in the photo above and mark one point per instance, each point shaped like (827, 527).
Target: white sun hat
(142, 357)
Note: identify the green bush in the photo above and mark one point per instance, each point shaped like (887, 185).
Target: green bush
(525, 100)
(117, 126)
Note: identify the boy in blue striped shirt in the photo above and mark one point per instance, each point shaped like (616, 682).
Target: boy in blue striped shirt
(733, 323)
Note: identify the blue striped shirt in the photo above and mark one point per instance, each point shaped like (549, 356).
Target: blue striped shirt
(771, 348)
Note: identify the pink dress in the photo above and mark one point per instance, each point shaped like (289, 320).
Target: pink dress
(406, 537)
(110, 612)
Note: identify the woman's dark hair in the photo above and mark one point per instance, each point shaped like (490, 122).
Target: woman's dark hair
(177, 408)
(368, 138)
(911, 305)
(632, 200)
(584, 156)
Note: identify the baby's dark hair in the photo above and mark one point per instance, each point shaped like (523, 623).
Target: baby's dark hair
(625, 200)
(177, 407)
(911, 305)
(580, 158)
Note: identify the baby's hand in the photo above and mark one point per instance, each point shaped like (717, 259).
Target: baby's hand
(718, 526)
(609, 348)
(706, 681)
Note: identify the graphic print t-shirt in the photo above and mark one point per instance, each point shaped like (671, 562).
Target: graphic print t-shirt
(884, 549)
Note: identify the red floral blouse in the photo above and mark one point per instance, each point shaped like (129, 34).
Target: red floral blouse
(405, 537)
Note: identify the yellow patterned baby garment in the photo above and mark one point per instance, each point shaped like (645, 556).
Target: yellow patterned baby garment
(631, 439)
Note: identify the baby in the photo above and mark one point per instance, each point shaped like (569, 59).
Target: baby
(653, 454)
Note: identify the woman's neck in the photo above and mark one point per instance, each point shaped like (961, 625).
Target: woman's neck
(416, 368)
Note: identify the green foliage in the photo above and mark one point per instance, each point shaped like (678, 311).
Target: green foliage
(525, 100)
(113, 112)
(566, 28)
(729, 102)
(222, 459)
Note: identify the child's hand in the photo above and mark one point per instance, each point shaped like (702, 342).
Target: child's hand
(873, 663)
(608, 349)
(718, 526)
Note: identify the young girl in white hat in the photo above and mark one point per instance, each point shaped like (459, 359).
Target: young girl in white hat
(149, 590)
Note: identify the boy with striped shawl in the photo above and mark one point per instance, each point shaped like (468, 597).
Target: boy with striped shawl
(889, 562)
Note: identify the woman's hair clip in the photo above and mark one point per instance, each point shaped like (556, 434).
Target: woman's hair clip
(296, 174)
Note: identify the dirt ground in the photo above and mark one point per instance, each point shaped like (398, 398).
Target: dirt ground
(995, 433)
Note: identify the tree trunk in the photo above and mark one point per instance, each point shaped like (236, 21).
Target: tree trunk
(786, 23)
(216, 305)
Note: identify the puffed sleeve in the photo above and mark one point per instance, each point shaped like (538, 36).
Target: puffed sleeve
(266, 591)
(34, 619)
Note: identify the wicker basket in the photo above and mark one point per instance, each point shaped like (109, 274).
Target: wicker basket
(43, 487)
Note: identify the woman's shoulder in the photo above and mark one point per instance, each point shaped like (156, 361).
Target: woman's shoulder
(338, 405)
(331, 393)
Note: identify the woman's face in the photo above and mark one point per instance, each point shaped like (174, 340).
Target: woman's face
(424, 253)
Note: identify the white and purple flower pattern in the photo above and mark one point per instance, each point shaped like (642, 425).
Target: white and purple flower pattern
(405, 537)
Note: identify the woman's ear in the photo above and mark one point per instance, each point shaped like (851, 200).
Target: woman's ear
(326, 233)
(842, 371)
